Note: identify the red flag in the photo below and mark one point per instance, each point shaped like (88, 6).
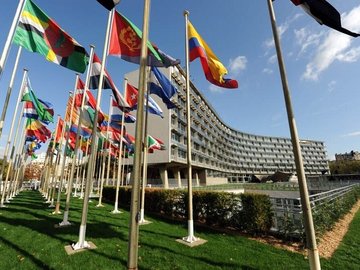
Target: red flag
(125, 42)
(131, 95)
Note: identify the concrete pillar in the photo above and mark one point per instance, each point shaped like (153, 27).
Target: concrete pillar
(197, 179)
(164, 177)
(177, 175)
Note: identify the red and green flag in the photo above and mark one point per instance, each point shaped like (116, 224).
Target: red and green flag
(38, 33)
(125, 42)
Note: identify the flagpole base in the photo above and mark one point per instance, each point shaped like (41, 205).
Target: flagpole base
(144, 222)
(115, 211)
(56, 212)
(78, 245)
(51, 206)
(190, 239)
(99, 205)
(3, 206)
(64, 223)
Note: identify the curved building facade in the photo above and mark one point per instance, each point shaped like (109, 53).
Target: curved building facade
(220, 154)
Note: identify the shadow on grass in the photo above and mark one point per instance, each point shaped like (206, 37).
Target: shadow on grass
(37, 262)
(206, 260)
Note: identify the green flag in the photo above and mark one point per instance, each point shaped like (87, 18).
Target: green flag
(38, 33)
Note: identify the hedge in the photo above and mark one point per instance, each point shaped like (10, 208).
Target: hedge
(250, 213)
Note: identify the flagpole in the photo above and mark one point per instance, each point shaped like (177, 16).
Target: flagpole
(10, 36)
(12, 155)
(142, 220)
(190, 238)
(19, 151)
(82, 243)
(116, 211)
(103, 161)
(11, 160)
(65, 221)
(9, 90)
(108, 164)
(49, 168)
(313, 252)
(85, 168)
(134, 206)
(10, 133)
(57, 205)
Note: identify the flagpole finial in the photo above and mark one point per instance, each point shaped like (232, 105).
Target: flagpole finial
(186, 13)
(25, 69)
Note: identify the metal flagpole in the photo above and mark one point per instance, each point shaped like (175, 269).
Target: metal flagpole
(313, 252)
(11, 131)
(116, 210)
(11, 160)
(10, 36)
(190, 238)
(108, 165)
(20, 150)
(103, 156)
(8, 93)
(142, 220)
(134, 206)
(57, 205)
(49, 168)
(78, 167)
(65, 221)
(81, 242)
(85, 168)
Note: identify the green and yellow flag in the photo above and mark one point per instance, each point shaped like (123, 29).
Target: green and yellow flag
(38, 33)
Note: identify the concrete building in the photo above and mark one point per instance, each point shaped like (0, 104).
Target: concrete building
(220, 154)
(353, 155)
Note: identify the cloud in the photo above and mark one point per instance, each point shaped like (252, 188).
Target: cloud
(267, 71)
(238, 64)
(351, 55)
(335, 46)
(272, 59)
(282, 28)
(305, 39)
(331, 86)
(352, 134)
(215, 89)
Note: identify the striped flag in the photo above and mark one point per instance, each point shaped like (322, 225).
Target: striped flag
(36, 108)
(37, 32)
(214, 70)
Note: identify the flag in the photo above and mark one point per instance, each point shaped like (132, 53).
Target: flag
(37, 129)
(214, 70)
(154, 144)
(131, 97)
(84, 131)
(89, 98)
(109, 4)
(108, 82)
(37, 32)
(161, 86)
(59, 130)
(38, 109)
(324, 13)
(116, 114)
(125, 42)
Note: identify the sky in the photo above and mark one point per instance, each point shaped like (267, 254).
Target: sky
(322, 65)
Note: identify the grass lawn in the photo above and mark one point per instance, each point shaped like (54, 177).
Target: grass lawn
(28, 240)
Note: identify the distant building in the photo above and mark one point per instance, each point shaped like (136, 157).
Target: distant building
(353, 155)
(220, 154)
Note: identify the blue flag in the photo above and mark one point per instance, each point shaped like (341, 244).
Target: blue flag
(162, 87)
